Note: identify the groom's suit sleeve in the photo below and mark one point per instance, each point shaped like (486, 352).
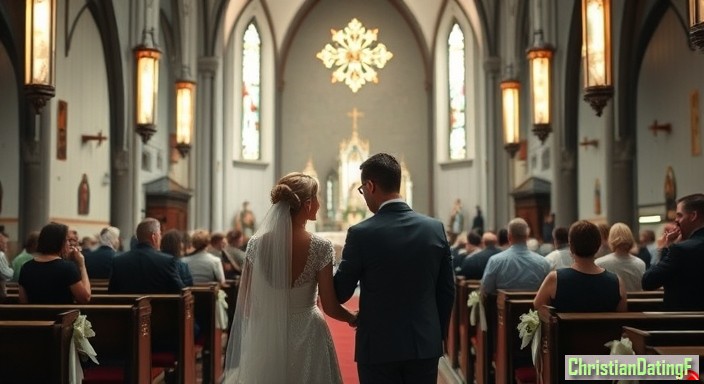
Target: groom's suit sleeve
(445, 289)
(350, 268)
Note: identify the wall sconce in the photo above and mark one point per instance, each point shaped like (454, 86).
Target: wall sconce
(696, 23)
(510, 106)
(667, 128)
(596, 49)
(39, 47)
(185, 115)
(99, 138)
(589, 143)
(540, 64)
(147, 90)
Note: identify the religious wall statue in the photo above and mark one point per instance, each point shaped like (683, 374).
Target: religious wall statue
(456, 218)
(245, 221)
(670, 195)
(597, 197)
(83, 196)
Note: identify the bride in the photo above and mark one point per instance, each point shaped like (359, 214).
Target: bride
(278, 333)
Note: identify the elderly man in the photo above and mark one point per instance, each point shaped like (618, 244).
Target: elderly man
(516, 268)
(682, 259)
(473, 267)
(144, 269)
(99, 261)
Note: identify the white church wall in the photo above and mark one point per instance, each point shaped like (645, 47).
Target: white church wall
(81, 82)
(426, 14)
(461, 179)
(9, 147)
(670, 73)
(315, 112)
(592, 163)
(247, 180)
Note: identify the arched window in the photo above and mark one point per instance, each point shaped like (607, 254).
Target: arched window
(457, 86)
(251, 96)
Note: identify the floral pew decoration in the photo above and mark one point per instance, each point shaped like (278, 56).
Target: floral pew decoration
(529, 332)
(80, 348)
(477, 305)
(621, 347)
(221, 310)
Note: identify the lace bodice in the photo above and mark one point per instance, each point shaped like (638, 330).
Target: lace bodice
(320, 254)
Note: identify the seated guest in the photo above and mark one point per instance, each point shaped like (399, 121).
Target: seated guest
(628, 267)
(682, 259)
(99, 262)
(473, 267)
(204, 267)
(5, 271)
(516, 268)
(143, 269)
(88, 243)
(27, 254)
(235, 248)
(217, 248)
(502, 236)
(57, 273)
(172, 244)
(604, 247)
(471, 247)
(583, 287)
(561, 256)
(647, 249)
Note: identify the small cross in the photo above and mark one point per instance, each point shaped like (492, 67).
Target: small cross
(354, 115)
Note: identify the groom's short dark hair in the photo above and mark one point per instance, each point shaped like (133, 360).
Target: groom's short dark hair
(384, 170)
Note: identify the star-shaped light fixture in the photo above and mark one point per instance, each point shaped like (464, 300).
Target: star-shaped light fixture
(353, 56)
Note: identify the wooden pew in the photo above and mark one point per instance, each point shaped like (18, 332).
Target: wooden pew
(644, 341)
(510, 306)
(210, 339)
(172, 325)
(122, 340)
(36, 351)
(452, 341)
(465, 331)
(586, 333)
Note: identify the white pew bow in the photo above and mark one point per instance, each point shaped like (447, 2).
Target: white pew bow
(80, 348)
(221, 310)
(529, 332)
(621, 347)
(475, 302)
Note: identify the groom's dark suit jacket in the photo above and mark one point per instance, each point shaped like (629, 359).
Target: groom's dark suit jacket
(402, 261)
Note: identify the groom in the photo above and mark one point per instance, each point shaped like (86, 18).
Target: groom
(402, 261)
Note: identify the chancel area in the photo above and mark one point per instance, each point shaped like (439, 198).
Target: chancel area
(189, 111)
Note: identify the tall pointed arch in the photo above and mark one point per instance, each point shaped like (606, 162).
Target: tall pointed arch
(457, 99)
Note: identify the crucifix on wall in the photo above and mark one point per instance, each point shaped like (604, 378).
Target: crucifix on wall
(354, 115)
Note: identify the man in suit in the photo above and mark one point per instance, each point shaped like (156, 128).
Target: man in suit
(144, 269)
(402, 261)
(473, 266)
(682, 259)
(99, 261)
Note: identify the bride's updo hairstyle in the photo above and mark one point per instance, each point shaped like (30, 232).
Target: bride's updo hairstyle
(294, 189)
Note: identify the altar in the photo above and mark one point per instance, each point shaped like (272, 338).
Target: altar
(341, 203)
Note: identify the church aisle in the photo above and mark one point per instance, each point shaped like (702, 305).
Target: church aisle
(343, 337)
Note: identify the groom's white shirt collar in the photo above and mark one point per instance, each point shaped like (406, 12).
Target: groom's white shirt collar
(399, 200)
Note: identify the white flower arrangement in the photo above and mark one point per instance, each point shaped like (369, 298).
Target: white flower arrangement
(82, 330)
(530, 322)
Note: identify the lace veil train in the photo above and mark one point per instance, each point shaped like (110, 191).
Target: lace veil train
(257, 350)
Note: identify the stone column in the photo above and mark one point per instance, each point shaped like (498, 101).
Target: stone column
(497, 165)
(122, 215)
(36, 172)
(207, 67)
(620, 199)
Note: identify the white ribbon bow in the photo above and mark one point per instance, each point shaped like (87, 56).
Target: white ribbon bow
(475, 302)
(621, 347)
(80, 348)
(529, 332)
(221, 310)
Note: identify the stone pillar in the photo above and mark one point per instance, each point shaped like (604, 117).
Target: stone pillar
(620, 199)
(122, 215)
(207, 67)
(36, 172)
(497, 165)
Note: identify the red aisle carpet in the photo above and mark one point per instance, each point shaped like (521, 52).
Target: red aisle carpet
(343, 337)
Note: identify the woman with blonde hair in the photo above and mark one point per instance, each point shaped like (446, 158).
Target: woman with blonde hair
(279, 334)
(628, 267)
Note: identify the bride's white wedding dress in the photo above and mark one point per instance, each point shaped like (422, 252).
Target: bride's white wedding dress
(282, 336)
(312, 357)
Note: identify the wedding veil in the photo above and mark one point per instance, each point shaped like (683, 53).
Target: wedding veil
(257, 349)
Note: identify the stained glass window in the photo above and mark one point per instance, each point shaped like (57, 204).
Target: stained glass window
(251, 99)
(456, 84)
